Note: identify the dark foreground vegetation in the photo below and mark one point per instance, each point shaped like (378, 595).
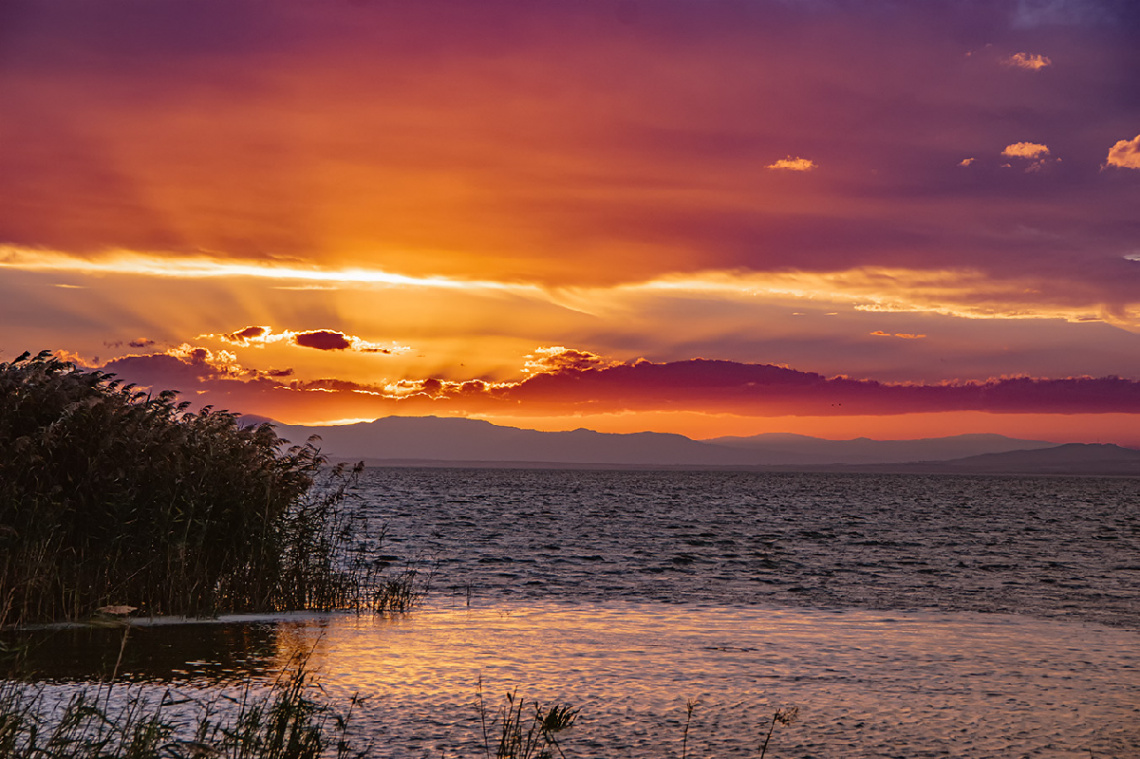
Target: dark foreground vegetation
(289, 720)
(113, 496)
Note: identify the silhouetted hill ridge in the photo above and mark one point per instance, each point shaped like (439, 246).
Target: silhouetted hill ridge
(1070, 458)
(475, 442)
(778, 449)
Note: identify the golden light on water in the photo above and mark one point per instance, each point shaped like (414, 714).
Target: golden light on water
(906, 678)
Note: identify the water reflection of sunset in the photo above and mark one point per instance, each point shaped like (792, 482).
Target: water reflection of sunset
(860, 678)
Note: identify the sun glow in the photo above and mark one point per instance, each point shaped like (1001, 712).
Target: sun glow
(204, 267)
(965, 294)
(962, 293)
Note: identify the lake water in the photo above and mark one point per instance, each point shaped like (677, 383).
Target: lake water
(906, 616)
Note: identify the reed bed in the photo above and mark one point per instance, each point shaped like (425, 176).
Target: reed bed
(113, 496)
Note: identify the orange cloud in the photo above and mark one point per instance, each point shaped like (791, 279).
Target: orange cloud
(217, 362)
(1036, 153)
(1026, 150)
(793, 164)
(902, 335)
(558, 358)
(1029, 61)
(1125, 154)
(248, 336)
(74, 358)
(320, 339)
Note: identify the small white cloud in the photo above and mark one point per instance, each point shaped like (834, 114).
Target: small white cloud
(793, 164)
(1026, 150)
(1028, 61)
(1125, 154)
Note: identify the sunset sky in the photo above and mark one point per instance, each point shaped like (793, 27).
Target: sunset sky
(833, 217)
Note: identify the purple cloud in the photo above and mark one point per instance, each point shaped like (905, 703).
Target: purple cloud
(323, 339)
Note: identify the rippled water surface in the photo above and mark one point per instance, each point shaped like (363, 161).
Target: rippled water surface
(905, 616)
(1051, 547)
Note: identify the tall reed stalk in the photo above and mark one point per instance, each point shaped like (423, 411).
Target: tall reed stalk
(522, 730)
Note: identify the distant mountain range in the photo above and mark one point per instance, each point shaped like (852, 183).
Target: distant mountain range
(778, 449)
(1071, 458)
(435, 441)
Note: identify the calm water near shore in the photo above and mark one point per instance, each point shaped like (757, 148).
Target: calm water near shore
(906, 616)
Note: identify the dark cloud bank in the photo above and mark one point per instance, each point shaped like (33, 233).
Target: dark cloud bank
(696, 385)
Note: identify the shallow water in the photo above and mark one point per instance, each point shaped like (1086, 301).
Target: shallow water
(904, 616)
(868, 684)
